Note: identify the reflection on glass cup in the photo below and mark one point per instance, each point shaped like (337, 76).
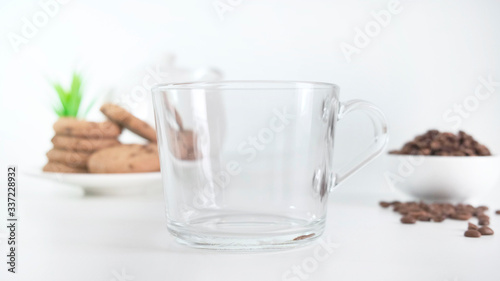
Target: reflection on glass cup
(247, 165)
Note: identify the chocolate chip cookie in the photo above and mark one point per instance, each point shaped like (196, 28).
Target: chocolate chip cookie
(82, 144)
(76, 159)
(57, 167)
(81, 128)
(125, 158)
(124, 118)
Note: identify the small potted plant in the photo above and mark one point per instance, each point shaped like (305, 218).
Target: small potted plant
(70, 99)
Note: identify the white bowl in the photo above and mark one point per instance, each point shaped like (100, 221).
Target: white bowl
(443, 178)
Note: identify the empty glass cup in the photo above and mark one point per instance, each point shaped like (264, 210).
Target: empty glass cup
(248, 164)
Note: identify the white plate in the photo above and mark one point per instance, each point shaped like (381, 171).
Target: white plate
(104, 184)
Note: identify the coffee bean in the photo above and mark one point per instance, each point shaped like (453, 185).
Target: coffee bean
(469, 208)
(416, 213)
(425, 151)
(384, 204)
(438, 218)
(424, 217)
(472, 233)
(461, 216)
(478, 212)
(448, 212)
(483, 217)
(497, 212)
(403, 211)
(484, 222)
(472, 226)
(484, 230)
(483, 150)
(483, 208)
(408, 220)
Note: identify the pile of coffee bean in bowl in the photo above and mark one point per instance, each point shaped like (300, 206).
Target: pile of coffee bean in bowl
(411, 212)
(443, 144)
(443, 167)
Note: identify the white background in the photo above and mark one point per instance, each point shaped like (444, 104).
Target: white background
(428, 58)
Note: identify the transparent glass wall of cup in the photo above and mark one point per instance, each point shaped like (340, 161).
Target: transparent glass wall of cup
(248, 164)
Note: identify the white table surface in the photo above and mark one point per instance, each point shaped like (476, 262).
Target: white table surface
(64, 235)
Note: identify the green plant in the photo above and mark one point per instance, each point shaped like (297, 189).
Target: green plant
(70, 100)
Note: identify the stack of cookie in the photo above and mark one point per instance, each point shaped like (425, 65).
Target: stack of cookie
(75, 140)
(81, 146)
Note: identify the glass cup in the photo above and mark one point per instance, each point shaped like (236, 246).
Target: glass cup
(247, 165)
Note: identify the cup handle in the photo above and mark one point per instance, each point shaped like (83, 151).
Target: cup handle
(379, 123)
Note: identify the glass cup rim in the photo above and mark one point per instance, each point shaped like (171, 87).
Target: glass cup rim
(248, 85)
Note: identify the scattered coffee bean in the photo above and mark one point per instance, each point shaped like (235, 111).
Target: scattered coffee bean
(483, 208)
(408, 220)
(478, 212)
(417, 213)
(411, 212)
(385, 204)
(472, 233)
(484, 230)
(438, 218)
(468, 208)
(424, 217)
(443, 144)
(483, 217)
(461, 216)
(472, 226)
(484, 222)
(497, 212)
